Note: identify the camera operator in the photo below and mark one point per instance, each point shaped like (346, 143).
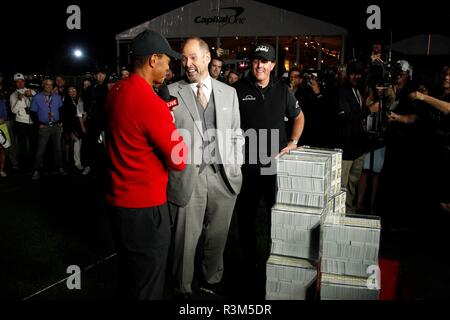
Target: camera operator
(442, 104)
(404, 170)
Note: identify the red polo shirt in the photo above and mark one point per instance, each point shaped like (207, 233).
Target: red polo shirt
(142, 142)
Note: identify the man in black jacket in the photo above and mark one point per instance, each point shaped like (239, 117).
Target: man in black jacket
(264, 104)
(351, 135)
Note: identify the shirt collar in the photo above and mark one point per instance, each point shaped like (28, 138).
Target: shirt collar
(207, 83)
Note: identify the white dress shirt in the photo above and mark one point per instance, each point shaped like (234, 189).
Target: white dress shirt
(207, 87)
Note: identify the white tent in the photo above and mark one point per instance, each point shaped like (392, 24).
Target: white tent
(231, 18)
(227, 18)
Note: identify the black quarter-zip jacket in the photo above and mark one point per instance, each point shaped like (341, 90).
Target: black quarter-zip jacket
(266, 110)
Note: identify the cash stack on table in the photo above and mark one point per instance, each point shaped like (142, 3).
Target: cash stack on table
(349, 258)
(309, 190)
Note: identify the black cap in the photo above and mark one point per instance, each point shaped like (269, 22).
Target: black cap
(150, 42)
(264, 51)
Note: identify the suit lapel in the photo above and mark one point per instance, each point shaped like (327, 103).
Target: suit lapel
(218, 98)
(220, 115)
(187, 96)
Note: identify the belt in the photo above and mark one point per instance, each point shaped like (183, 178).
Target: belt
(50, 124)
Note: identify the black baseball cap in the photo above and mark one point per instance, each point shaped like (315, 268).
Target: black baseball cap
(263, 51)
(150, 42)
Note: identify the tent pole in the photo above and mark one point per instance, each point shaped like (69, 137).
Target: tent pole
(343, 50)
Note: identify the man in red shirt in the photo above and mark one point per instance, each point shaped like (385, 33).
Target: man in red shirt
(142, 144)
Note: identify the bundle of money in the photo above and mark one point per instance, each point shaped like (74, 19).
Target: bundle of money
(334, 287)
(289, 278)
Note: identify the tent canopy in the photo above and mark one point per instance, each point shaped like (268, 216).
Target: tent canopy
(229, 18)
(423, 44)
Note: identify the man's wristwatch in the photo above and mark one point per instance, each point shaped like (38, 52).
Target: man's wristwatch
(295, 141)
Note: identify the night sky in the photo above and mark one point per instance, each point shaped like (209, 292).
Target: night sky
(34, 37)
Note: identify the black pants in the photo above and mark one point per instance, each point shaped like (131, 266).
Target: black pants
(142, 238)
(255, 187)
(26, 140)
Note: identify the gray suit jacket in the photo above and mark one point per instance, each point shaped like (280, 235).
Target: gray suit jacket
(229, 134)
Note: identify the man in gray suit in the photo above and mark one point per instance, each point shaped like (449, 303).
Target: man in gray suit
(204, 194)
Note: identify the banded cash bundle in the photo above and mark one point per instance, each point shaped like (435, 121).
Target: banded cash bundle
(336, 164)
(295, 231)
(350, 245)
(334, 287)
(289, 278)
(308, 177)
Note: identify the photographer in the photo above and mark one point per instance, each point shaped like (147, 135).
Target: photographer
(318, 128)
(20, 101)
(442, 104)
(404, 167)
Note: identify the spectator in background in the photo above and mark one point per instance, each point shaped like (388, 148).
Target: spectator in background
(60, 86)
(232, 77)
(94, 154)
(215, 69)
(403, 165)
(351, 133)
(442, 104)
(45, 108)
(20, 101)
(73, 110)
(112, 81)
(87, 83)
(60, 89)
(124, 73)
(3, 119)
(11, 152)
(295, 81)
(227, 71)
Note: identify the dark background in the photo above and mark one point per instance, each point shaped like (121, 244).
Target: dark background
(34, 36)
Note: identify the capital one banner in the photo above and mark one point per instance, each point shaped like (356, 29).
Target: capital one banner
(228, 18)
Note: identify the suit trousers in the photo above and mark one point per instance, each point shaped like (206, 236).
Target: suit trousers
(208, 216)
(351, 173)
(142, 238)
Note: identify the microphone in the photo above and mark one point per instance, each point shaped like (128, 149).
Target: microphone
(163, 93)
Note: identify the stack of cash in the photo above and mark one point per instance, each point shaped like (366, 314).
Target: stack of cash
(295, 233)
(289, 278)
(336, 164)
(334, 287)
(308, 193)
(349, 254)
(304, 180)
